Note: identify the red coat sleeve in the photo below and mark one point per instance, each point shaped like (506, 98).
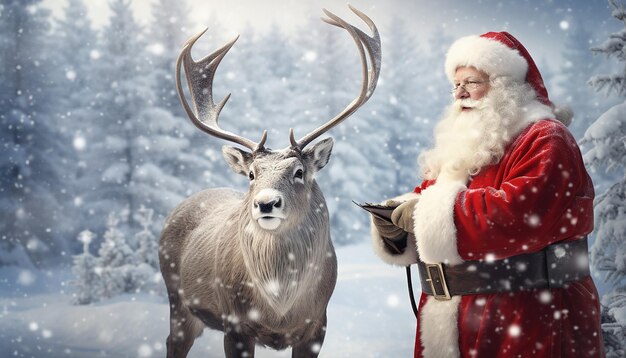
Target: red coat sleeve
(540, 193)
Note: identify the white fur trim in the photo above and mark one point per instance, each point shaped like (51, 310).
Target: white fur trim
(564, 114)
(408, 257)
(434, 221)
(439, 331)
(406, 197)
(489, 55)
(534, 112)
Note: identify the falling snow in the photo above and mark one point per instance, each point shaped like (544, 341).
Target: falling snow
(125, 138)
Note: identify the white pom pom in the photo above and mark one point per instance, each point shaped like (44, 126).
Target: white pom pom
(563, 114)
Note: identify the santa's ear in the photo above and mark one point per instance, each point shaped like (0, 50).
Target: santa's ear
(238, 160)
(319, 154)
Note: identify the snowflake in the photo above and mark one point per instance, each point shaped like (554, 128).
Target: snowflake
(70, 75)
(25, 278)
(144, 350)
(156, 48)
(534, 220)
(316, 347)
(79, 142)
(545, 297)
(310, 56)
(254, 314)
(514, 330)
(393, 300)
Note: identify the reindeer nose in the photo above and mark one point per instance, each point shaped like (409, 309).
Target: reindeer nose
(267, 207)
(267, 200)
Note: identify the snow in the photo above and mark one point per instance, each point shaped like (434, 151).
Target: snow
(369, 315)
(608, 123)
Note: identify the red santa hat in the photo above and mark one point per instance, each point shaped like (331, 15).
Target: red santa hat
(499, 53)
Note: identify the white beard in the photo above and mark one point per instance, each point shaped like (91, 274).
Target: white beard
(467, 141)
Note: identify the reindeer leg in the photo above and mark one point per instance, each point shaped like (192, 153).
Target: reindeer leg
(311, 348)
(237, 345)
(184, 329)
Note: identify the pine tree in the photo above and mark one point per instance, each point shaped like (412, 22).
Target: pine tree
(148, 245)
(606, 138)
(167, 31)
(75, 56)
(434, 85)
(88, 282)
(576, 70)
(124, 91)
(401, 102)
(116, 260)
(31, 164)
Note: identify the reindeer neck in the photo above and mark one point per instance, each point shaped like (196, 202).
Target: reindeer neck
(283, 265)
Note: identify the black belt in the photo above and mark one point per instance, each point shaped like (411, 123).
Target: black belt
(553, 267)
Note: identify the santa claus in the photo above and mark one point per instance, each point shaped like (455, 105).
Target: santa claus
(500, 222)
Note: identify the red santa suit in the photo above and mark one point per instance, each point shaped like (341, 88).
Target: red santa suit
(538, 194)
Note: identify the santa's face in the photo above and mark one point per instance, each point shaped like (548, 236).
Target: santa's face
(470, 83)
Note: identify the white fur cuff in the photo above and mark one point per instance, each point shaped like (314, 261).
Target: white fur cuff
(434, 222)
(408, 257)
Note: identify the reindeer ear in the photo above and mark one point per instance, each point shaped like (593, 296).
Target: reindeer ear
(238, 160)
(319, 154)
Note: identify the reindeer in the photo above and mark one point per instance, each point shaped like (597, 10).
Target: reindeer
(259, 266)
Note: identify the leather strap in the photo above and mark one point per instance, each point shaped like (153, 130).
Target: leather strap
(553, 267)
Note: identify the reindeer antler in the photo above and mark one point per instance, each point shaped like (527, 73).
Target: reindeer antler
(200, 80)
(370, 76)
(200, 76)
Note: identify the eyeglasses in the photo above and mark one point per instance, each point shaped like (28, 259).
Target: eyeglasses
(470, 86)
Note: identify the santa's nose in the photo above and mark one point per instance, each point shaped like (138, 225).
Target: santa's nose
(461, 93)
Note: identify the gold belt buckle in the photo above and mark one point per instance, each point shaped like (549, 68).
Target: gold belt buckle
(445, 296)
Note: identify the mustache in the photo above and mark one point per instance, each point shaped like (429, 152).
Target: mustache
(468, 103)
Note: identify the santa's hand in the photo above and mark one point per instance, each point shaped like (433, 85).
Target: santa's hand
(402, 216)
(387, 229)
(392, 203)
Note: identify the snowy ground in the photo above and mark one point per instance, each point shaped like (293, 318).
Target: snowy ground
(369, 316)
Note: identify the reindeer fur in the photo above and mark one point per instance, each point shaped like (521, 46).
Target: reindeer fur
(263, 287)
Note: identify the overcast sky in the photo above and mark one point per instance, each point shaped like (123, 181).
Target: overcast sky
(541, 25)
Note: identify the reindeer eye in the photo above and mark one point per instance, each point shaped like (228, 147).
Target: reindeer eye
(251, 175)
(299, 173)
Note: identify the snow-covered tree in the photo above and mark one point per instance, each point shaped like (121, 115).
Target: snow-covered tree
(148, 245)
(116, 260)
(75, 54)
(167, 32)
(606, 140)
(31, 145)
(400, 102)
(434, 85)
(88, 281)
(575, 72)
(137, 138)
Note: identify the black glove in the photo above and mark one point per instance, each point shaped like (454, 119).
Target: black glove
(387, 229)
